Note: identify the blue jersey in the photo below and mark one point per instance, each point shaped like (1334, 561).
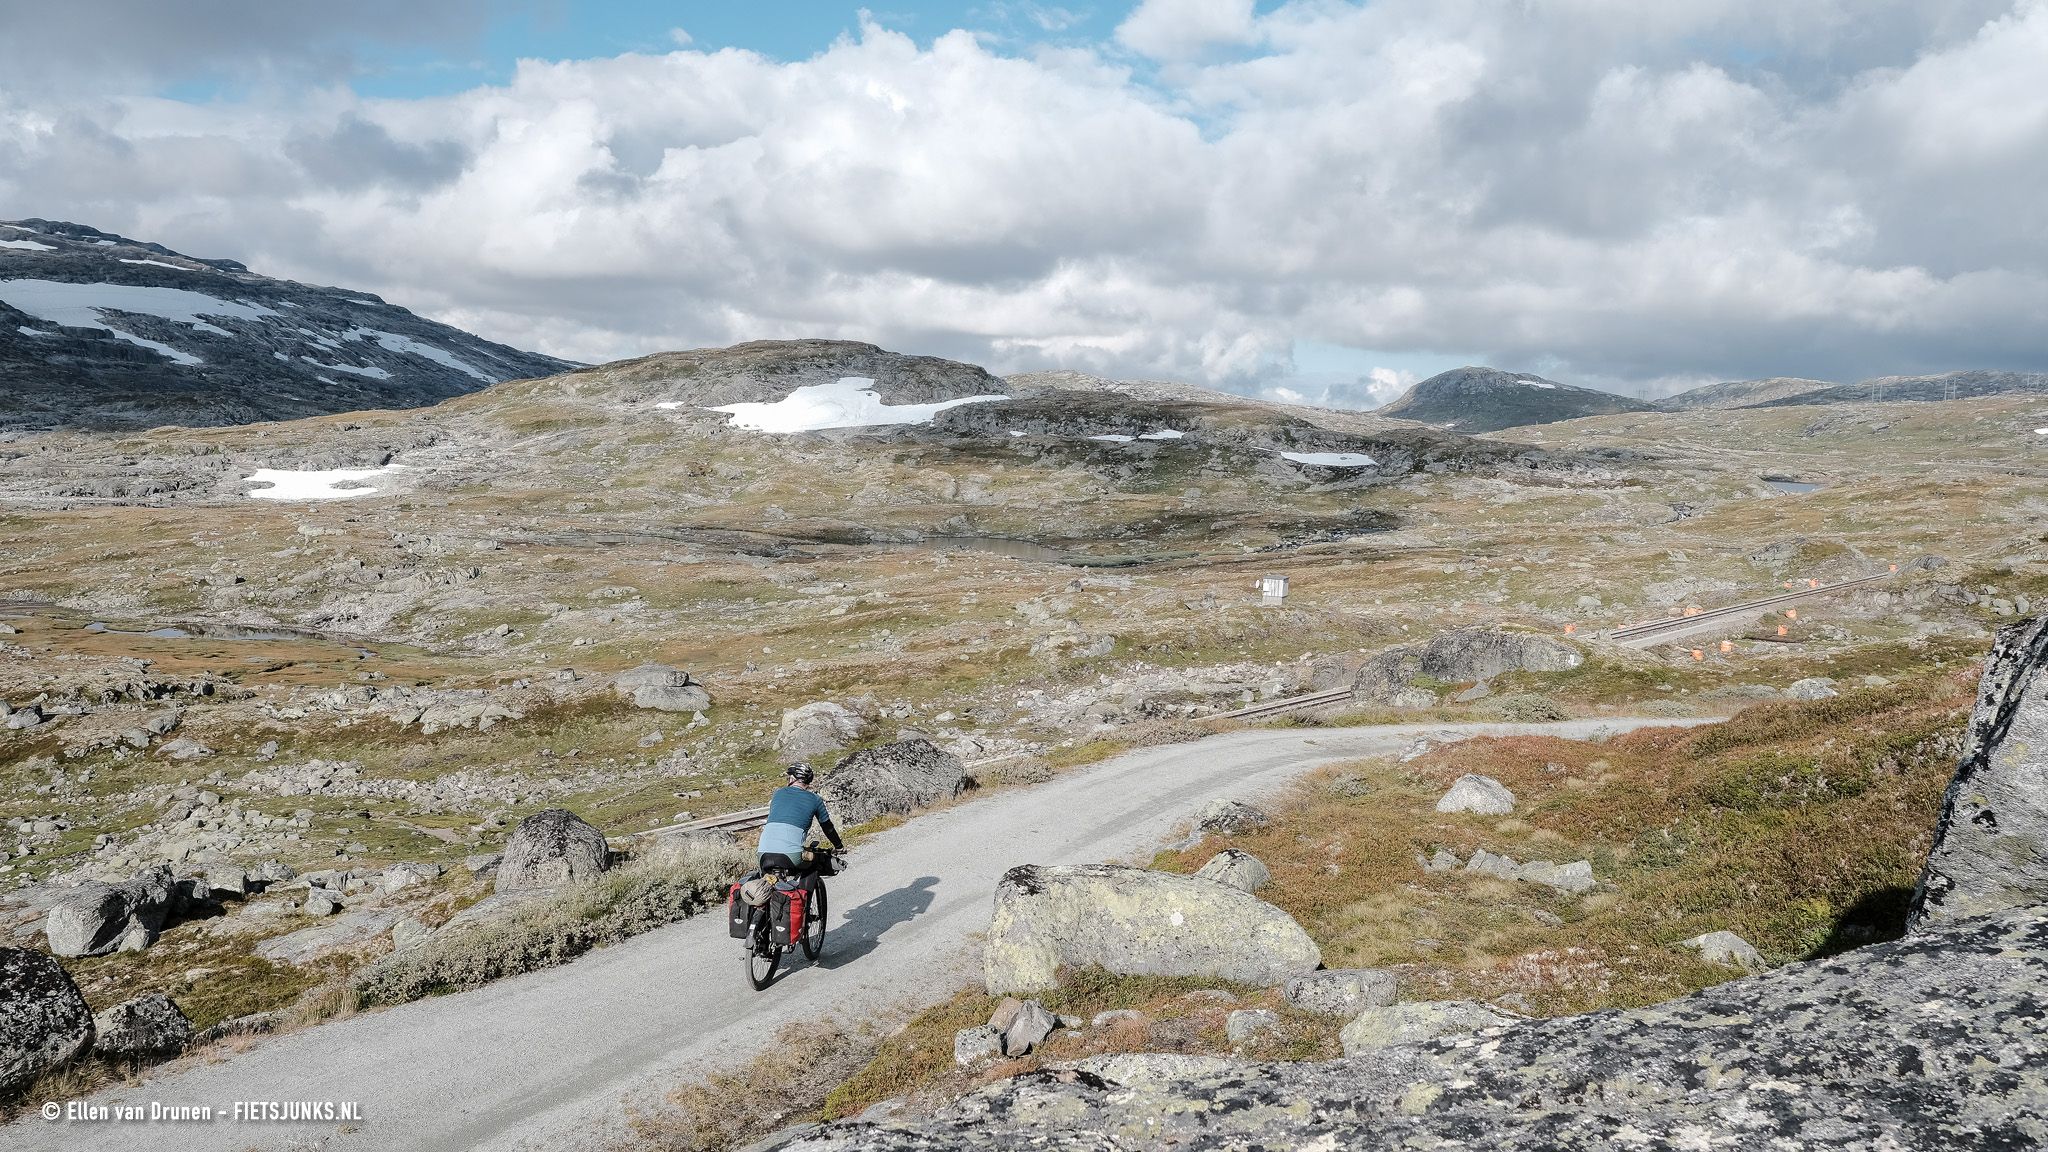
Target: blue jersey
(790, 812)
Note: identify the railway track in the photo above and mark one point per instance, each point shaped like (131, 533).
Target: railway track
(1652, 631)
(1285, 704)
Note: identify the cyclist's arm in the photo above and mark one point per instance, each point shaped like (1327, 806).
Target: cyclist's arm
(831, 833)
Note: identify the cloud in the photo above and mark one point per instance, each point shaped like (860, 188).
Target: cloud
(1626, 195)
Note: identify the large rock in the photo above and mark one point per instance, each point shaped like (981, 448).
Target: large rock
(1480, 794)
(1392, 1024)
(662, 687)
(817, 730)
(1131, 921)
(1812, 688)
(1991, 842)
(344, 930)
(1230, 818)
(891, 778)
(44, 1021)
(550, 849)
(1342, 991)
(1456, 657)
(147, 1027)
(1241, 870)
(98, 918)
(1937, 1041)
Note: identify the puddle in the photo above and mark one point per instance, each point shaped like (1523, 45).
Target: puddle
(1795, 487)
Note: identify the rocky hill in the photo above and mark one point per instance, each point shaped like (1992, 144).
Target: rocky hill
(1487, 399)
(98, 331)
(1782, 391)
(1744, 393)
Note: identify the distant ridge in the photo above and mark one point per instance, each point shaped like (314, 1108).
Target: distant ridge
(1781, 391)
(1475, 399)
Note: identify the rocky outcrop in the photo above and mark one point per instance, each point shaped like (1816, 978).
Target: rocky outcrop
(891, 778)
(1230, 818)
(1939, 1041)
(1131, 921)
(1387, 1025)
(147, 1027)
(1341, 991)
(1241, 870)
(98, 918)
(663, 688)
(816, 730)
(44, 1021)
(549, 849)
(1991, 842)
(1395, 677)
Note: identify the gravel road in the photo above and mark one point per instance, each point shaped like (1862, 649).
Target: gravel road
(557, 1059)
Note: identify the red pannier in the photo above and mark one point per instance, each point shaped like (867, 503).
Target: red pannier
(739, 915)
(786, 917)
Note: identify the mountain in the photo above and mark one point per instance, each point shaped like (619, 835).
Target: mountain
(98, 331)
(1963, 385)
(1474, 399)
(1745, 393)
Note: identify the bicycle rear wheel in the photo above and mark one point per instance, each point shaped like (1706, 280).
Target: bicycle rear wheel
(814, 921)
(763, 959)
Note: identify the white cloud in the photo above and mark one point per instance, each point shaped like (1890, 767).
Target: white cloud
(1603, 192)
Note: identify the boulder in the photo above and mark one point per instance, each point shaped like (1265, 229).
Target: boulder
(1241, 870)
(1134, 922)
(1442, 860)
(891, 778)
(973, 1046)
(1575, 877)
(550, 849)
(1460, 656)
(352, 929)
(1394, 1024)
(95, 919)
(662, 687)
(1727, 948)
(44, 1021)
(1230, 818)
(410, 874)
(817, 730)
(408, 933)
(1022, 1024)
(147, 1027)
(226, 880)
(1341, 991)
(1479, 794)
(1991, 841)
(1935, 1041)
(1812, 688)
(320, 902)
(184, 748)
(1248, 1024)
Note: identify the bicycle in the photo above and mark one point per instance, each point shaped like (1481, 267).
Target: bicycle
(764, 951)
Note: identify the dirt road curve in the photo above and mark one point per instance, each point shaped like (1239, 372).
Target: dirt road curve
(555, 1059)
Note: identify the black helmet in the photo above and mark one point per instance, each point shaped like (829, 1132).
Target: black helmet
(801, 773)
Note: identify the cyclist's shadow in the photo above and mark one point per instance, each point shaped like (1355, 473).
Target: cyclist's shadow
(861, 932)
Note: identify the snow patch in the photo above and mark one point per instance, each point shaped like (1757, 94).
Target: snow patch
(80, 305)
(164, 350)
(1114, 439)
(668, 405)
(159, 264)
(25, 330)
(1014, 432)
(373, 373)
(849, 402)
(1533, 382)
(1332, 459)
(392, 342)
(28, 245)
(1163, 434)
(309, 484)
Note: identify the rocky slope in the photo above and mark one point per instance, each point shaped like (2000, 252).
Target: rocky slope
(1780, 391)
(1488, 399)
(100, 331)
(1744, 393)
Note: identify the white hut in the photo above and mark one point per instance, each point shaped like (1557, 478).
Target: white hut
(1273, 588)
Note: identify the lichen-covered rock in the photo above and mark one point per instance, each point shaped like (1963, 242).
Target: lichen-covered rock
(1341, 991)
(1727, 948)
(549, 849)
(1938, 1041)
(1478, 794)
(891, 779)
(1391, 1024)
(1022, 1025)
(978, 1045)
(1241, 870)
(1459, 656)
(98, 918)
(1991, 842)
(1812, 688)
(147, 1027)
(817, 729)
(44, 1021)
(1230, 818)
(661, 687)
(1135, 922)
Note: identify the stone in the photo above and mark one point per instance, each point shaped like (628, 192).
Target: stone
(1341, 991)
(1442, 860)
(320, 902)
(1727, 948)
(184, 748)
(44, 1020)
(1991, 840)
(1135, 922)
(1022, 1024)
(96, 918)
(348, 930)
(410, 874)
(227, 880)
(1811, 688)
(1488, 864)
(408, 933)
(1574, 877)
(1248, 1024)
(891, 778)
(817, 730)
(1482, 795)
(1114, 1016)
(1392, 1024)
(1230, 818)
(550, 849)
(148, 1027)
(973, 1046)
(482, 862)
(24, 717)
(1460, 656)
(274, 872)
(661, 687)
(1930, 1042)
(1241, 870)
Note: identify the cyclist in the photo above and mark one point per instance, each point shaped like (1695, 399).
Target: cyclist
(790, 812)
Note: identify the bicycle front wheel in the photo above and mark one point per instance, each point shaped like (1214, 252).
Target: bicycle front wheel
(814, 921)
